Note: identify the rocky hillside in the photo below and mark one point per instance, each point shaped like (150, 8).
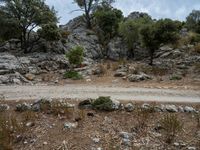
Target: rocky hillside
(49, 57)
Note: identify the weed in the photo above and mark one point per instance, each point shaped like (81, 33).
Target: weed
(28, 116)
(197, 67)
(175, 77)
(197, 48)
(9, 125)
(142, 120)
(115, 66)
(73, 75)
(159, 71)
(101, 70)
(197, 117)
(75, 55)
(171, 126)
(103, 103)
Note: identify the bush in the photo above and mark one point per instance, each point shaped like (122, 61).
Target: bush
(193, 21)
(171, 126)
(129, 30)
(103, 103)
(50, 32)
(75, 56)
(73, 75)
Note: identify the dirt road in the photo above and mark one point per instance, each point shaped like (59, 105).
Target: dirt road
(91, 91)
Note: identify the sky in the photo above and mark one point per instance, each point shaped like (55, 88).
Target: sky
(174, 9)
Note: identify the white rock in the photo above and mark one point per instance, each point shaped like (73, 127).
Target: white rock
(129, 107)
(189, 109)
(115, 104)
(69, 125)
(96, 140)
(191, 148)
(171, 108)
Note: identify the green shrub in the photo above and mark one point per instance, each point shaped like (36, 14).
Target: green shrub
(193, 21)
(195, 38)
(73, 75)
(75, 56)
(171, 126)
(103, 103)
(175, 77)
(50, 32)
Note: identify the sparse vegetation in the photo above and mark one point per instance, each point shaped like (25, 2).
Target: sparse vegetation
(175, 77)
(73, 75)
(103, 103)
(75, 55)
(197, 48)
(193, 21)
(172, 126)
(9, 125)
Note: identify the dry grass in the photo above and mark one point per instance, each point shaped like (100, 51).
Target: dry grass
(9, 126)
(172, 126)
(29, 116)
(142, 117)
(139, 122)
(197, 48)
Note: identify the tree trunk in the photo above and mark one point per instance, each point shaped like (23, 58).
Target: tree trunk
(131, 54)
(88, 21)
(151, 57)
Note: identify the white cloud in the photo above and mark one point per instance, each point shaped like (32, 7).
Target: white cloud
(175, 9)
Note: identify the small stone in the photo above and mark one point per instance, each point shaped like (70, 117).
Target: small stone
(30, 76)
(30, 124)
(126, 142)
(86, 104)
(45, 143)
(23, 107)
(120, 74)
(32, 140)
(69, 125)
(126, 135)
(16, 81)
(129, 107)
(96, 140)
(176, 144)
(171, 108)
(189, 109)
(180, 109)
(88, 80)
(145, 106)
(191, 148)
(4, 107)
(115, 104)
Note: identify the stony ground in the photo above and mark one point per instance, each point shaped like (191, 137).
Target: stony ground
(131, 128)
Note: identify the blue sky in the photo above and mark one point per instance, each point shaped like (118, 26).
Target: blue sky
(174, 9)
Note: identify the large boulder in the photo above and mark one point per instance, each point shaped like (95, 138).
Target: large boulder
(14, 68)
(138, 77)
(9, 63)
(136, 15)
(117, 49)
(79, 35)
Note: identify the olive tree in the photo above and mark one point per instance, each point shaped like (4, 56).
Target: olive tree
(193, 21)
(28, 15)
(163, 31)
(88, 6)
(130, 32)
